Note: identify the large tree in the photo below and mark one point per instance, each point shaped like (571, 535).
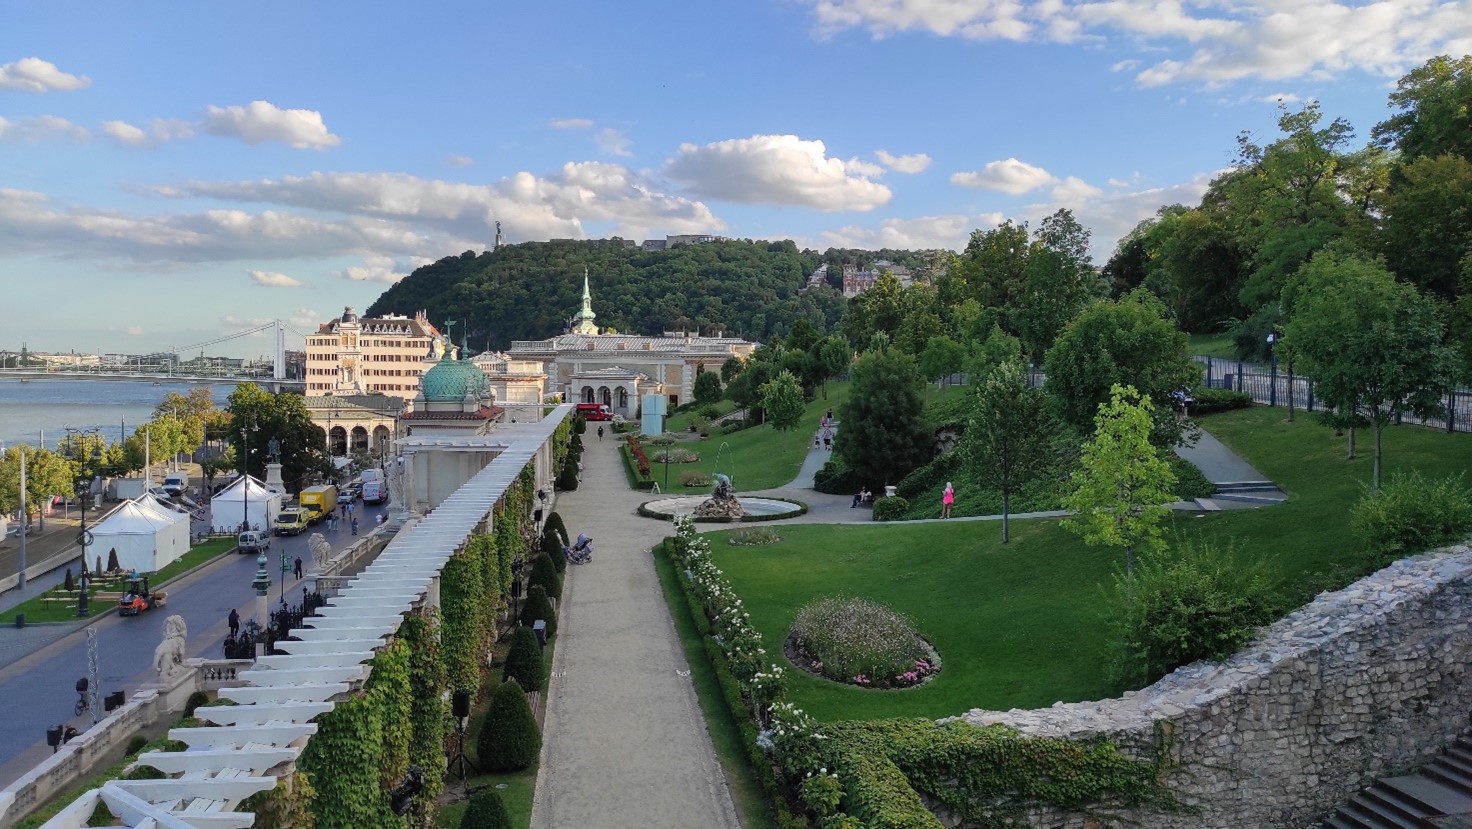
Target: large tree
(883, 435)
(1123, 483)
(1435, 103)
(708, 387)
(1128, 342)
(47, 474)
(264, 416)
(782, 399)
(1008, 438)
(1373, 345)
(941, 358)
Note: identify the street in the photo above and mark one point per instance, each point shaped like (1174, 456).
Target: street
(39, 686)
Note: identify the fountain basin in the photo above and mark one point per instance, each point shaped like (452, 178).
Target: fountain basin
(758, 509)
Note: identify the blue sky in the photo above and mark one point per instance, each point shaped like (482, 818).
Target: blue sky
(171, 174)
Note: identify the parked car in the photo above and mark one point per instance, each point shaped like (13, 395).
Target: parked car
(352, 491)
(253, 541)
(175, 484)
(293, 521)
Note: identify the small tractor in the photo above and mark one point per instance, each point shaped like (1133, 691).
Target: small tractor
(138, 598)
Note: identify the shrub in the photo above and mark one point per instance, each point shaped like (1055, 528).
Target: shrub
(695, 479)
(676, 456)
(579, 425)
(195, 700)
(544, 573)
(890, 509)
(858, 640)
(552, 548)
(538, 606)
(112, 560)
(524, 660)
(508, 740)
(555, 524)
(136, 743)
(834, 479)
(1410, 514)
(931, 475)
(1190, 481)
(641, 460)
(68, 584)
(1218, 400)
(732, 426)
(568, 480)
(663, 440)
(486, 811)
(755, 537)
(1183, 605)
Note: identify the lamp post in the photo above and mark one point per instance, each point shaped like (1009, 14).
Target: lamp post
(262, 584)
(79, 440)
(245, 473)
(1272, 371)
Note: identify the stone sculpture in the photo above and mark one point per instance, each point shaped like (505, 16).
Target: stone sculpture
(168, 657)
(722, 502)
(321, 552)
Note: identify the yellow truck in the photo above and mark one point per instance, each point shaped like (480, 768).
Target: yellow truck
(318, 501)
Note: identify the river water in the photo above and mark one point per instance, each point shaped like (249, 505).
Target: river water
(27, 409)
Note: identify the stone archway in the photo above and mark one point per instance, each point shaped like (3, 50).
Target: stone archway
(623, 400)
(337, 441)
(588, 394)
(605, 396)
(360, 439)
(381, 438)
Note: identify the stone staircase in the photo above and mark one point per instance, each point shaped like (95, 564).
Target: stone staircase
(1252, 492)
(1439, 796)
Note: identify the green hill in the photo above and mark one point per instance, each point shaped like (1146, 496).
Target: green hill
(527, 291)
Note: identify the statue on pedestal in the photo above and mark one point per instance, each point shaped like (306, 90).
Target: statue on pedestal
(321, 552)
(168, 657)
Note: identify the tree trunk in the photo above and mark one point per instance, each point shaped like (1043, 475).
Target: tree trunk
(1350, 456)
(1375, 476)
(1006, 503)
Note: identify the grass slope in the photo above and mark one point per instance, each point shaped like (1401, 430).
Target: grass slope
(37, 610)
(1019, 626)
(760, 457)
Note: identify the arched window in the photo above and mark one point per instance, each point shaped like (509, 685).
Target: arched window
(337, 441)
(588, 394)
(623, 399)
(380, 438)
(605, 396)
(360, 439)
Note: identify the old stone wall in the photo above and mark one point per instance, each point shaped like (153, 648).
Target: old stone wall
(1361, 683)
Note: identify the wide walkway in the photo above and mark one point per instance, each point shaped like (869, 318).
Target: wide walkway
(624, 743)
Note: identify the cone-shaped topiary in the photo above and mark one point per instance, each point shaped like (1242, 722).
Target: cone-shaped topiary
(568, 480)
(486, 811)
(70, 583)
(577, 444)
(552, 548)
(524, 660)
(112, 560)
(509, 740)
(579, 425)
(544, 573)
(538, 606)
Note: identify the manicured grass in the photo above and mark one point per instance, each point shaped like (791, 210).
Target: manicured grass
(681, 422)
(1019, 626)
(1212, 345)
(38, 610)
(760, 457)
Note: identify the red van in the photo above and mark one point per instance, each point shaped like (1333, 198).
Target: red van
(594, 411)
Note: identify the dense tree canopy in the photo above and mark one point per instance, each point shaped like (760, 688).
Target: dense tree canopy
(882, 437)
(262, 416)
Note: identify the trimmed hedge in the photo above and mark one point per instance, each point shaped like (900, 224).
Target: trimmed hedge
(509, 740)
(1218, 400)
(544, 573)
(1190, 482)
(538, 606)
(524, 660)
(834, 479)
(890, 509)
(486, 811)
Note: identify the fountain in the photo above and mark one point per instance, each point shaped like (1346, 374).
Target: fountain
(722, 505)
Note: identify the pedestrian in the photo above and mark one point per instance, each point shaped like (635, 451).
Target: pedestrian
(355, 525)
(830, 415)
(817, 437)
(828, 439)
(234, 620)
(600, 434)
(343, 508)
(298, 566)
(947, 498)
(382, 518)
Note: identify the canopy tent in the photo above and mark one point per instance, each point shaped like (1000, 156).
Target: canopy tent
(245, 499)
(144, 540)
(178, 518)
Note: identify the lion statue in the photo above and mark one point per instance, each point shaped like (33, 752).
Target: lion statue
(168, 657)
(321, 552)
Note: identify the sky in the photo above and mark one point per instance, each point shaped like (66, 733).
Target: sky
(171, 174)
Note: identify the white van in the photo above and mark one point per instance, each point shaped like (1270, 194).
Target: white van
(176, 483)
(253, 541)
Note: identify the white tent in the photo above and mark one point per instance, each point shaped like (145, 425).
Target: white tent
(144, 540)
(245, 499)
(178, 531)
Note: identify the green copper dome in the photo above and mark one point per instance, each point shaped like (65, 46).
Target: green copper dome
(450, 379)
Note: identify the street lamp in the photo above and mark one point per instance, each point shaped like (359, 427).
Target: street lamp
(79, 440)
(245, 473)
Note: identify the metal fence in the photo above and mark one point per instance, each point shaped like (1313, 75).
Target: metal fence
(1273, 385)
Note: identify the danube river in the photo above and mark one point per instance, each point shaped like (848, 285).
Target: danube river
(29, 409)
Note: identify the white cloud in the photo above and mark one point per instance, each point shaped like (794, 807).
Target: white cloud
(613, 142)
(459, 160)
(374, 269)
(36, 75)
(262, 121)
(916, 163)
(1008, 176)
(1280, 98)
(159, 132)
(570, 123)
(859, 167)
(305, 319)
(1074, 190)
(1209, 41)
(33, 129)
(272, 279)
(920, 233)
(775, 169)
(134, 330)
(1109, 216)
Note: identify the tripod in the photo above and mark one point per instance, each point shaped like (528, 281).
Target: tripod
(458, 763)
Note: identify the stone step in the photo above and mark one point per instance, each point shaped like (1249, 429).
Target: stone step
(1401, 805)
(1436, 798)
(1339, 820)
(1369, 813)
(1261, 498)
(1451, 773)
(1389, 809)
(1463, 754)
(1245, 486)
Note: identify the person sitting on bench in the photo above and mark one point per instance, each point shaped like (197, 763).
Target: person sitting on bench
(863, 496)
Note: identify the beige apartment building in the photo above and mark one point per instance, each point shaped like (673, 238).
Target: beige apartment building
(356, 356)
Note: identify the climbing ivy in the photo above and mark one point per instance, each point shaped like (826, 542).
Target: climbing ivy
(561, 437)
(462, 600)
(427, 717)
(342, 763)
(390, 690)
(284, 807)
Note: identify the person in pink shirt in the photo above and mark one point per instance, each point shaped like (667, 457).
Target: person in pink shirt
(947, 498)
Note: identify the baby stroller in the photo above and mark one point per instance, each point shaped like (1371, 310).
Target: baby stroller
(581, 552)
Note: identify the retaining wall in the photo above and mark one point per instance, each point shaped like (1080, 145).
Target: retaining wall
(1365, 682)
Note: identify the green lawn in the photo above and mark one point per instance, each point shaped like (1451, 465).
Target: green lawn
(1020, 626)
(681, 422)
(757, 458)
(1212, 345)
(37, 609)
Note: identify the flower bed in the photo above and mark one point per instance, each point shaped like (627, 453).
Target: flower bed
(861, 642)
(676, 456)
(756, 537)
(695, 479)
(641, 460)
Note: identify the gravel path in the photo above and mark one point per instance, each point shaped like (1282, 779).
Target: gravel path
(624, 743)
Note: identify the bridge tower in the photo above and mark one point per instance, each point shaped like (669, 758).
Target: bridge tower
(278, 367)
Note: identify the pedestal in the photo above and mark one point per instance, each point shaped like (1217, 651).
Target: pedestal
(273, 477)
